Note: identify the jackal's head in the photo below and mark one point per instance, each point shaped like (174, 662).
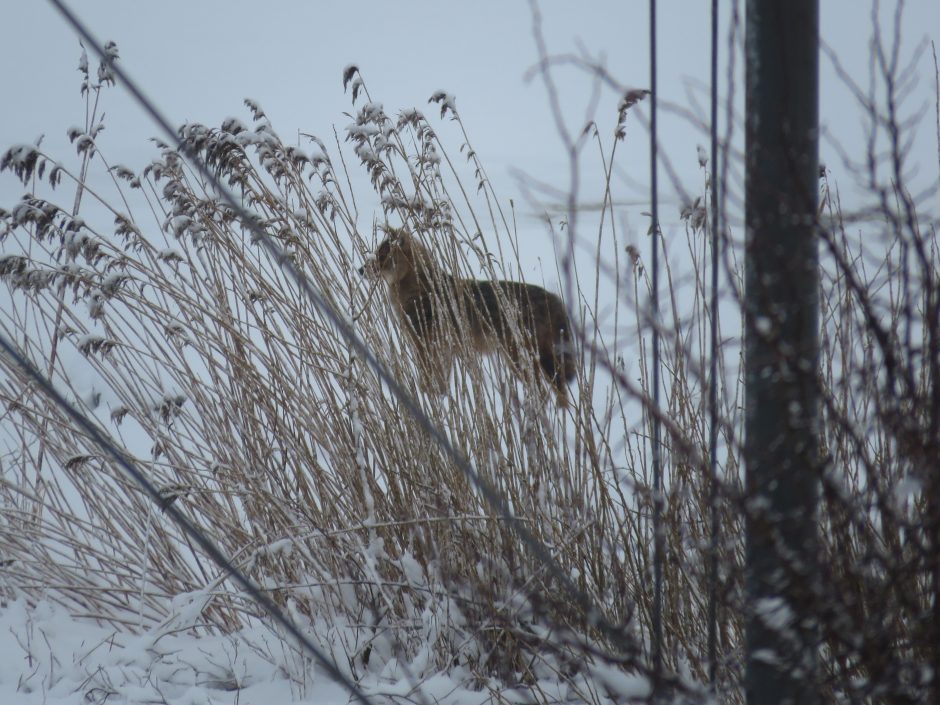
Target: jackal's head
(394, 258)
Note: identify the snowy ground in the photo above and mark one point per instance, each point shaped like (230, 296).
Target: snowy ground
(51, 658)
(46, 656)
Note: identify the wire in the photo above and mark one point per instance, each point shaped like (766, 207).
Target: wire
(617, 634)
(713, 370)
(657, 430)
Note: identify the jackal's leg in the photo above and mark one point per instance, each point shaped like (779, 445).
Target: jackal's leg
(556, 372)
(434, 371)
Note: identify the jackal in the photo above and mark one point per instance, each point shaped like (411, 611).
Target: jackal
(439, 311)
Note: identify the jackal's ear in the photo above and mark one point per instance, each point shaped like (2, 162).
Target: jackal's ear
(381, 254)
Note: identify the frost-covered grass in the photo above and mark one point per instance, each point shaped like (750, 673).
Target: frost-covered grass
(259, 422)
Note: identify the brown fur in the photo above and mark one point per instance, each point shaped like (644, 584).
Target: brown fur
(435, 306)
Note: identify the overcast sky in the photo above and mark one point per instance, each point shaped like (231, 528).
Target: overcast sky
(198, 60)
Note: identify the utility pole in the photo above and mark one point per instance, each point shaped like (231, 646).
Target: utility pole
(782, 350)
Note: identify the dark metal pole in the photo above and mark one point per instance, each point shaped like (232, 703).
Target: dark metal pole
(782, 279)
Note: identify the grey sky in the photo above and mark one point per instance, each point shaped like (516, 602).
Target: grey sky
(198, 60)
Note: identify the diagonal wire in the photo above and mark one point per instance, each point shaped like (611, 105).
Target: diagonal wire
(105, 443)
(713, 370)
(617, 634)
(658, 538)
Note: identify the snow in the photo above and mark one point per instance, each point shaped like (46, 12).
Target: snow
(92, 343)
(702, 154)
(233, 125)
(763, 325)
(112, 282)
(20, 154)
(447, 102)
(47, 656)
(171, 256)
(775, 613)
(625, 685)
(362, 131)
(410, 116)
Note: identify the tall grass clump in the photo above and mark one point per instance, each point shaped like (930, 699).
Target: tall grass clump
(260, 422)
